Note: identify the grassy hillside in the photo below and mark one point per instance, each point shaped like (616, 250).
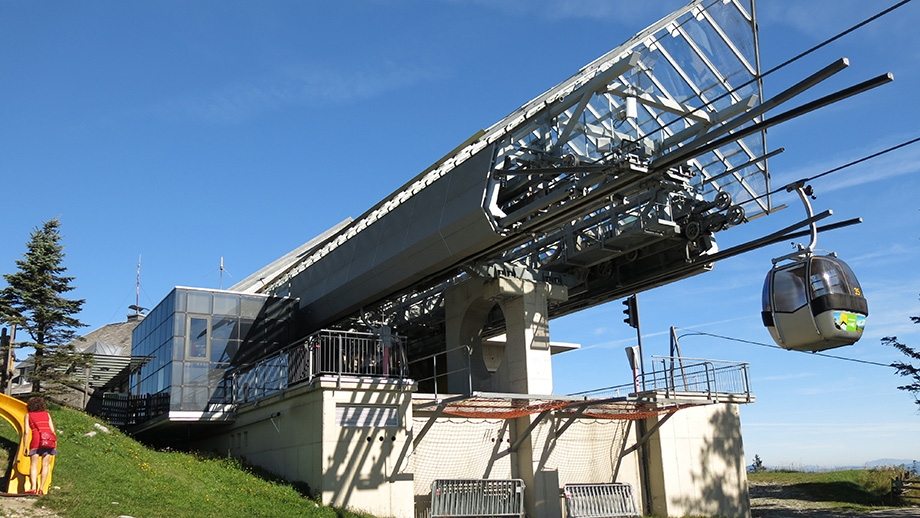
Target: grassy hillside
(109, 475)
(853, 489)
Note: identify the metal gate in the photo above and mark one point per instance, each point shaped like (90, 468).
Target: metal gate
(599, 500)
(477, 497)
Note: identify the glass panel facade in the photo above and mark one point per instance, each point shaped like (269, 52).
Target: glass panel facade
(193, 337)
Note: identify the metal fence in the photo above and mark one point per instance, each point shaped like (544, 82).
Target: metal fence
(440, 372)
(477, 498)
(324, 353)
(611, 500)
(678, 376)
(127, 409)
(691, 375)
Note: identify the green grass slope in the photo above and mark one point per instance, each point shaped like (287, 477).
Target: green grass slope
(109, 475)
(859, 489)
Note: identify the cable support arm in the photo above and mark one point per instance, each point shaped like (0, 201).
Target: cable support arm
(681, 155)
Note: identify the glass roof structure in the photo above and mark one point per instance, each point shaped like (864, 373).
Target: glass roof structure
(669, 89)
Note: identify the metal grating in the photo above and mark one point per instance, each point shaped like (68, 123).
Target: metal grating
(611, 500)
(476, 497)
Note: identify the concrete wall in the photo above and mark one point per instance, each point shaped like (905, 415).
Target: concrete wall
(360, 446)
(588, 451)
(696, 464)
(348, 443)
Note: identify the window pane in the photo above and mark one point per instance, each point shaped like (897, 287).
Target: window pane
(197, 337)
(199, 302)
(196, 373)
(789, 289)
(766, 293)
(226, 304)
(180, 300)
(832, 276)
(855, 288)
(252, 306)
(179, 325)
(179, 348)
(218, 347)
(224, 328)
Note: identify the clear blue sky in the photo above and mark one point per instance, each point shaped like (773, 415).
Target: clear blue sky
(191, 131)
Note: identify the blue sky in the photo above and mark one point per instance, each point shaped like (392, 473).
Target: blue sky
(189, 131)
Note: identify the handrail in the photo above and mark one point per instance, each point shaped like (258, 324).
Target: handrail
(434, 370)
(352, 353)
(712, 378)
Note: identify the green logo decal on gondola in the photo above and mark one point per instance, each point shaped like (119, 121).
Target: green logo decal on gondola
(849, 321)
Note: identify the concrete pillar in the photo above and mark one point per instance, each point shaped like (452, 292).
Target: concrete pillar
(519, 362)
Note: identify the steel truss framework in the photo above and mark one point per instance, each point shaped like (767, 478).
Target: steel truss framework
(573, 185)
(612, 182)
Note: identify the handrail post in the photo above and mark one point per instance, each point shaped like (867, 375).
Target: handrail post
(710, 379)
(434, 361)
(747, 382)
(469, 369)
(339, 352)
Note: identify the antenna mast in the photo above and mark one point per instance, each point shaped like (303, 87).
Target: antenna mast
(137, 289)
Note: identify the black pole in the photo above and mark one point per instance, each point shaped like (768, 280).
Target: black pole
(639, 339)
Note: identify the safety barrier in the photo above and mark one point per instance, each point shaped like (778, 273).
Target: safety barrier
(477, 498)
(323, 353)
(599, 500)
(676, 376)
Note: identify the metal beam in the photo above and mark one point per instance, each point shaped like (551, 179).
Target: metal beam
(686, 153)
(647, 436)
(771, 103)
(523, 437)
(749, 163)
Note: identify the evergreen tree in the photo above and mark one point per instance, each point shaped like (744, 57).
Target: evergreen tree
(907, 369)
(757, 466)
(33, 301)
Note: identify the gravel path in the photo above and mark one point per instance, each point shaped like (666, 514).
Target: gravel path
(23, 507)
(778, 501)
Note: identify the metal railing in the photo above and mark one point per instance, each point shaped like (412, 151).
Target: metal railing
(127, 409)
(712, 378)
(324, 353)
(477, 498)
(612, 500)
(678, 376)
(465, 350)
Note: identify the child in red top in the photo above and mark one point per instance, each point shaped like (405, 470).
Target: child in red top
(36, 420)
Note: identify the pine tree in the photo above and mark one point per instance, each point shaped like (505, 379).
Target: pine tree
(757, 466)
(33, 301)
(907, 369)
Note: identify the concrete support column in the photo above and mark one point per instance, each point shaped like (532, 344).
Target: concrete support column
(519, 361)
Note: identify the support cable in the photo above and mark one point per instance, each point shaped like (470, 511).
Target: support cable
(791, 186)
(741, 340)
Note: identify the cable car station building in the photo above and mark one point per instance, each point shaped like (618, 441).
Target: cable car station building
(401, 362)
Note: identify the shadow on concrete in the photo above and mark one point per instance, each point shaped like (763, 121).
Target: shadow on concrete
(719, 476)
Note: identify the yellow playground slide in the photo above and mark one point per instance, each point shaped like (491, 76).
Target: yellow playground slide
(14, 411)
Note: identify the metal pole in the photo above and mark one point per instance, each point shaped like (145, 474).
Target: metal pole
(639, 336)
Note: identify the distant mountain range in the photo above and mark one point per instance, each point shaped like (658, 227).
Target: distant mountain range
(909, 464)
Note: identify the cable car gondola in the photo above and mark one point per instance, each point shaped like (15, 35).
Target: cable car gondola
(813, 302)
